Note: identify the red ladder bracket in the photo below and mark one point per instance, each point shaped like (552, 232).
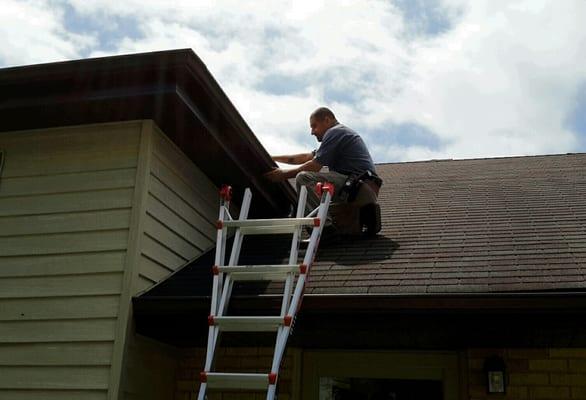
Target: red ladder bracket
(328, 187)
(321, 187)
(303, 269)
(226, 192)
(318, 189)
(272, 378)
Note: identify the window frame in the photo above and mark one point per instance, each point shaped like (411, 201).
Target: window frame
(2, 158)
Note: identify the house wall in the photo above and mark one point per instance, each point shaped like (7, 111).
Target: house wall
(537, 373)
(65, 212)
(89, 217)
(175, 212)
(541, 374)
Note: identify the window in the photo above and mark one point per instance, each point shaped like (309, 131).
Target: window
(379, 389)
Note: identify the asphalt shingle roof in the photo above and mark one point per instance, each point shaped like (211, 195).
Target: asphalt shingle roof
(515, 224)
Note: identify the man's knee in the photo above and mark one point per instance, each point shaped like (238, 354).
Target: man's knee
(305, 178)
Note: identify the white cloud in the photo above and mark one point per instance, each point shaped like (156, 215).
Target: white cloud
(32, 32)
(500, 82)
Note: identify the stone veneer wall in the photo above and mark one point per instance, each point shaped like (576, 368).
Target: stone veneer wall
(540, 374)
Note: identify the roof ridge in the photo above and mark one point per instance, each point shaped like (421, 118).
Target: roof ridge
(482, 158)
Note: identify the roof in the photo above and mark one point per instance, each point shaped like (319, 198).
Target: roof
(174, 88)
(461, 227)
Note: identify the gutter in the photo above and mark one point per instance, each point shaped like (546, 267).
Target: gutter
(555, 302)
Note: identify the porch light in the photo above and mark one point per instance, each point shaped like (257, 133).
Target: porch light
(495, 369)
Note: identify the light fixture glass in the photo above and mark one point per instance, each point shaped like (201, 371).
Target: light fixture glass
(495, 370)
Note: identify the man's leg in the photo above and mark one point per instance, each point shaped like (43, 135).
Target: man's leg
(310, 179)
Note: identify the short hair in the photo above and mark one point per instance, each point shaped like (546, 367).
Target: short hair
(321, 113)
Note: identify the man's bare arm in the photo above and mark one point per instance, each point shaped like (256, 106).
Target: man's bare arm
(278, 174)
(294, 159)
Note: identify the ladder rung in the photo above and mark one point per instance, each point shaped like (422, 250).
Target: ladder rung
(223, 380)
(259, 272)
(247, 324)
(268, 226)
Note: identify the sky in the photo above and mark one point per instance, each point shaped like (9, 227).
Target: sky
(417, 79)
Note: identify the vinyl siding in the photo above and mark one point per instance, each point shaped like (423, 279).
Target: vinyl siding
(65, 203)
(181, 210)
(89, 217)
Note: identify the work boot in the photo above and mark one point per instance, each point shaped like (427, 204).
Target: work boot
(370, 219)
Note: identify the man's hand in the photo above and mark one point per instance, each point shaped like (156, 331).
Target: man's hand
(275, 175)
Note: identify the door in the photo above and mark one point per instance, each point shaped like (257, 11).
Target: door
(379, 375)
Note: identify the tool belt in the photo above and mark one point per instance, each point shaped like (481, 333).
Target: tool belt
(352, 185)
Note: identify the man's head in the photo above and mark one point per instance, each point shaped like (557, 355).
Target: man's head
(320, 121)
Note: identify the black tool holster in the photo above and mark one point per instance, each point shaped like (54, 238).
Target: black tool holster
(352, 215)
(350, 190)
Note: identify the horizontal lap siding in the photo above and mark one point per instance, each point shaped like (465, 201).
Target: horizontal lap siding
(65, 202)
(75, 377)
(68, 307)
(58, 354)
(58, 331)
(181, 211)
(56, 394)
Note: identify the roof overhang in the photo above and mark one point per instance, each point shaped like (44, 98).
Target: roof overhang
(372, 303)
(387, 321)
(173, 88)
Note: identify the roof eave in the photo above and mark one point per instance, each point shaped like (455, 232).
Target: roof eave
(173, 88)
(567, 301)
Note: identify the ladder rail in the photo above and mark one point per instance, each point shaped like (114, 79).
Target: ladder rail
(218, 287)
(235, 254)
(218, 260)
(293, 255)
(289, 283)
(298, 293)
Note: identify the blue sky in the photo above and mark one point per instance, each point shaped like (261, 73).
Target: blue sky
(418, 79)
(576, 121)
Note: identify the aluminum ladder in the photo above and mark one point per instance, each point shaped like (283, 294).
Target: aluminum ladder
(225, 275)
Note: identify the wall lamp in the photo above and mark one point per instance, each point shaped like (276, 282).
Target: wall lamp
(495, 370)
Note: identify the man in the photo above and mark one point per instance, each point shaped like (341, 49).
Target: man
(342, 150)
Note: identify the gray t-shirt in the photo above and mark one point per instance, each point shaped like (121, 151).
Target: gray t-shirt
(344, 151)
